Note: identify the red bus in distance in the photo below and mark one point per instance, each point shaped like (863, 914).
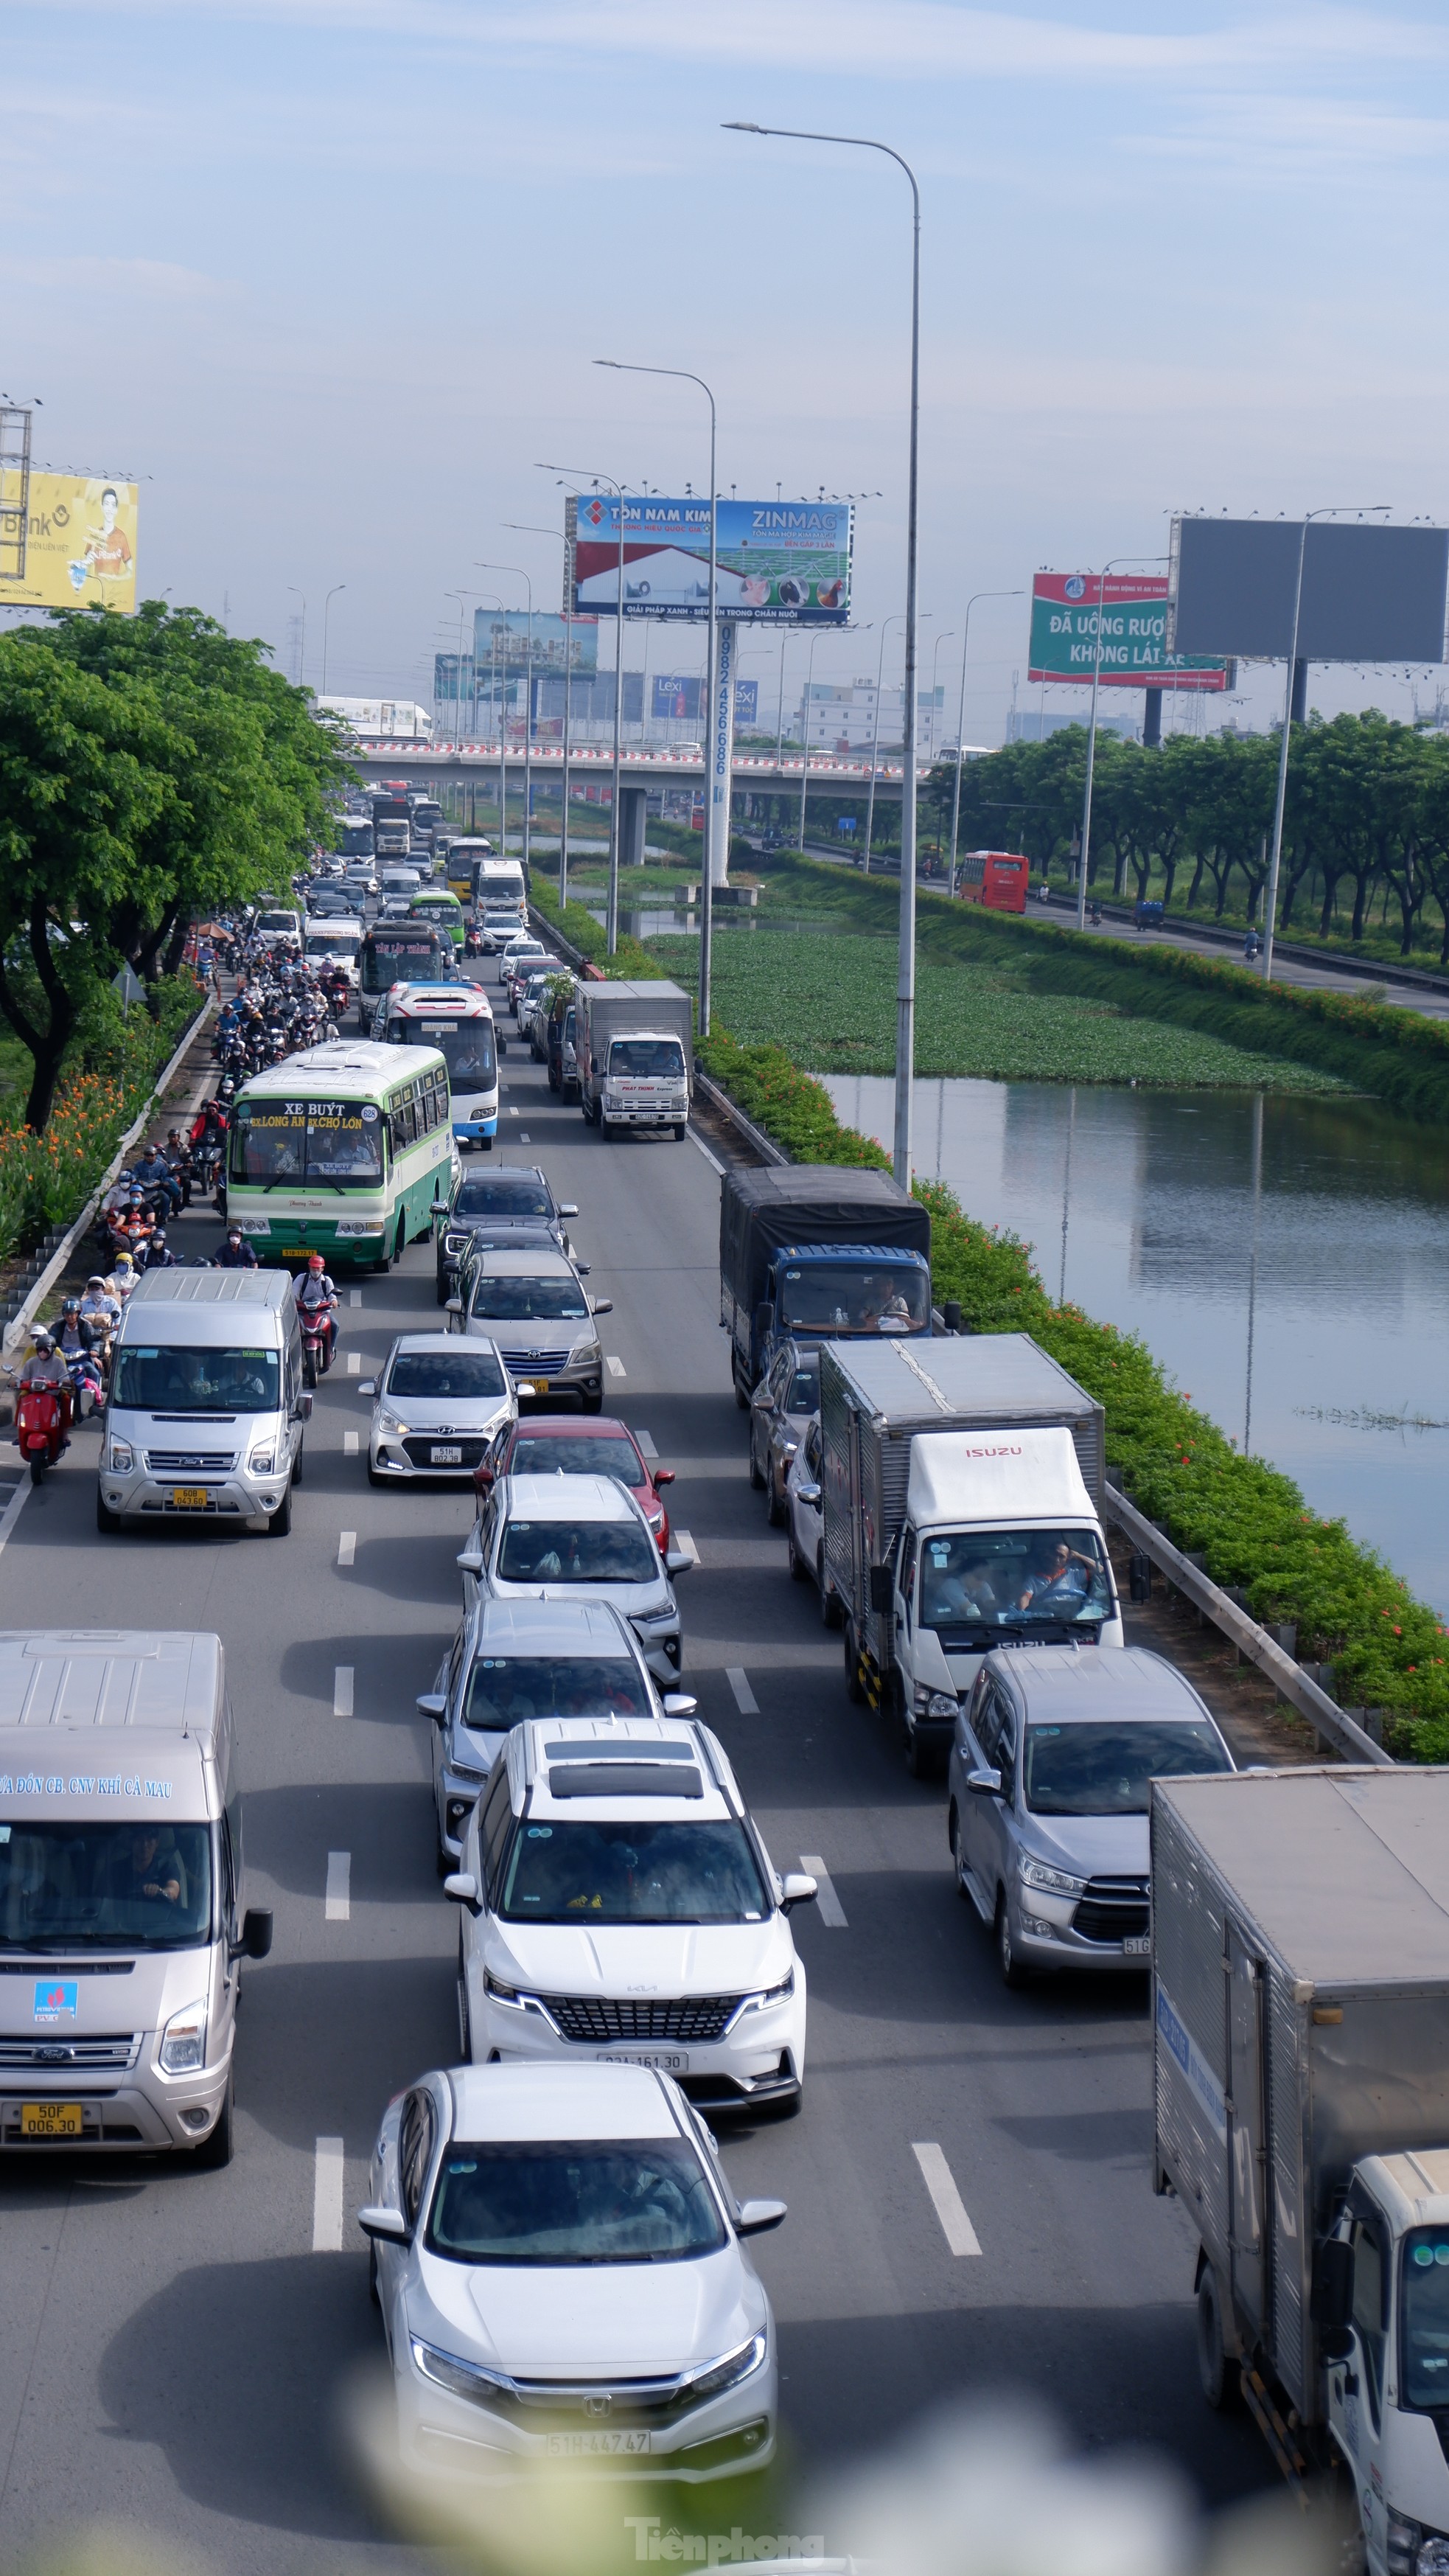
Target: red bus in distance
(996, 878)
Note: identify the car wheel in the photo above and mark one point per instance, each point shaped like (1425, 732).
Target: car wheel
(373, 1476)
(958, 1856)
(1221, 2385)
(742, 1396)
(1012, 1972)
(465, 2022)
(373, 2292)
(442, 1288)
(799, 1570)
(918, 1759)
(297, 1465)
(593, 1403)
(106, 1521)
(854, 1686)
(216, 2147)
(830, 1611)
(756, 1479)
(280, 1521)
(775, 1502)
(787, 2108)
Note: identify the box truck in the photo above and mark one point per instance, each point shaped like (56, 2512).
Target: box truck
(808, 1251)
(634, 1045)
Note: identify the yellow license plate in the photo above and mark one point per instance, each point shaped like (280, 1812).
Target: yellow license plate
(50, 2119)
(189, 1498)
(538, 1384)
(297, 1251)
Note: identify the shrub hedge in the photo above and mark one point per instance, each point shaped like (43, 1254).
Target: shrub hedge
(46, 1179)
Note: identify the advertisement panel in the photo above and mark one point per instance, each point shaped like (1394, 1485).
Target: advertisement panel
(780, 563)
(1369, 594)
(679, 699)
(1135, 651)
(504, 633)
(80, 545)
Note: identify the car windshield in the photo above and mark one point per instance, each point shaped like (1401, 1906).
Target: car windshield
(640, 1872)
(276, 921)
(466, 1047)
(631, 2200)
(803, 1392)
(564, 1453)
(854, 1296)
(173, 1379)
(536, 1300)
(1107, 1769)
(510, 1200)
(1426, 2317)
(460, 1375)
(329, 1142)
(505, 1689)
(1034, 1582)
(146, 1884)
(647, 1059)
(577, 1552)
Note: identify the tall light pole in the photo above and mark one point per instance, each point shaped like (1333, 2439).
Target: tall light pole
(906, 965)
(582, 472)
(520, 575)
(961, 717)
(716, 814)
(302, 652)
(948, 638)
(526, 528)
(805, 747)
(326, 612)
(875, 745)
(1092, 726)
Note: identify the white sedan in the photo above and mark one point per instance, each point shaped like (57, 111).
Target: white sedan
(558, 2260)
(437, 1403)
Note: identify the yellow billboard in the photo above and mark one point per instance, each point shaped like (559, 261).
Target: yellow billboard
(80, 545)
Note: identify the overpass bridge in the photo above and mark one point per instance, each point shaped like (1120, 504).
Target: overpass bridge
(755, 774)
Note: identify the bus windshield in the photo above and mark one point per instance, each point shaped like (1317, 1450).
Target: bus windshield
(466, 1047)
(401, 953)
(328, 1143)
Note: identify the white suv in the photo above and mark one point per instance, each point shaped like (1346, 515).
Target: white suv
(618, 1905)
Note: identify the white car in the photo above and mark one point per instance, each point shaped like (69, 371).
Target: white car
(437, 1403)
(805, 1522)
(514, 950)
(579, 1538)
(557, 2256)
(500, 924)
(617, 1903)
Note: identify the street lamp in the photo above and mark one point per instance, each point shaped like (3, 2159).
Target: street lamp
(520, 575)
(526, 528)
(326, 612)
(612, 934)
(948, 638)
(1086, 835)
(302, 655)
(906, 967)
(717, 802)
(961, 716)
(875, 745)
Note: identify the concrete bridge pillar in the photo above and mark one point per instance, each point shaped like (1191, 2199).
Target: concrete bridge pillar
(632, 804)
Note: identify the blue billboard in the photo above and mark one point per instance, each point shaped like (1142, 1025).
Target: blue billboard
(778, 563)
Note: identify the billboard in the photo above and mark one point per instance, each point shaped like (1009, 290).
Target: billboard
(680, 699)
(80, 545)
(503, 634)
(396, 717)
(1370, 594)
(1135, 650)
(780, 563)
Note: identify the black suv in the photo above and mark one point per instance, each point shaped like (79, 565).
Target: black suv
(511, 1202)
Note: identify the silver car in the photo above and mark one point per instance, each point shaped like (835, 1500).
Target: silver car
(532, 1305)
(579, 1538)
(1051, 1776)
(805, 1522)
(437, 1403)
(787, 1395)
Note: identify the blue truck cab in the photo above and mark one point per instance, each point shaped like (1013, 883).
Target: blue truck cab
(813, 1253)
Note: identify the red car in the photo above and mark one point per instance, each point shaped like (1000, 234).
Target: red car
(564, 1444)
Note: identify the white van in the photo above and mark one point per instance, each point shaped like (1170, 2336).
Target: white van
(205, 1407)
(278, 927)
(122, 1925)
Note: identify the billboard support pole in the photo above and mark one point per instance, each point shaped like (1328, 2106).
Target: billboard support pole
(1270, 906)
(1092, 727)
(961, 720)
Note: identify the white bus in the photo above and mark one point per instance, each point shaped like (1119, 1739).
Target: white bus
(456, 1019)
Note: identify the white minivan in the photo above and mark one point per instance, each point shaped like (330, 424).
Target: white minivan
(122, 1921)
(205, 1407)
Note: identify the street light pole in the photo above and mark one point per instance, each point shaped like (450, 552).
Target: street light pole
(716, 813)
(875, 745)
(302, 654)
(948, 638)
(326, 612)
(805, 747)
(460, 596)
(906, 965)
(520, 575)
(961, 718)
(614, 814)
(525, 528)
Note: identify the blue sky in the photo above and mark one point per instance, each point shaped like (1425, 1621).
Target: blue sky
(331, 273)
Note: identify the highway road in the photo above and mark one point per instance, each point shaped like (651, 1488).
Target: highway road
(176, 2344)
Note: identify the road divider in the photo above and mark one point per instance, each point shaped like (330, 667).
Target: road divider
(946, 2200)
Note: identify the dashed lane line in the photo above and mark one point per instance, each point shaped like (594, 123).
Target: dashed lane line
(349, 1444)
(646, 1444)
(685, 1543)
(342, 1690)
(615, 1366)
(354, 1363)
(346, 1546)
(946, 2200)
(745, 1700)
(354, 1296)
(327, 2197)
(14, 1507)
(339, 1887)
(827, 1903)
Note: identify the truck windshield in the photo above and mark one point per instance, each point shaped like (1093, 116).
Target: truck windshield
(854, 1297)
(639, 1872)
(1084, 1769)
(1426, 2317)
(1032, 1582)
(647, 1059)
(141, 1885)
(163, 1379)
(328, 1143)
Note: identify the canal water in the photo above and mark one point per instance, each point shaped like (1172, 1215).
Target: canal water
(1285, 1258)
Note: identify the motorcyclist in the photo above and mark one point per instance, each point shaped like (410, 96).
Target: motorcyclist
(123, 1278)
(236, 1253)
(156, 1254)
(43, 1366)
(315, 1289)
(178, 1155)
(155, 1173)
(76, 1343)
(101, 1309)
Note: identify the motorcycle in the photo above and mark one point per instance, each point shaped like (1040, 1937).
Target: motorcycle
(40, 1422)
(87, 1382)
(318, 1342)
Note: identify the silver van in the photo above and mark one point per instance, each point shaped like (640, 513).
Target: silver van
(205, 1408)
(121, 1908)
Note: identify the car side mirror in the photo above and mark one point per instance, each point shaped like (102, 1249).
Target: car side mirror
(432, 1704)
(377, 2220)
(807, 1494)
(664, 1476)
(566, 1207)
(797, 1888)
(601, 1305)
(677, 1562)
(367, 1386)
(524, 1386)
(583, 1268)
(502, 1043)
(471, 1559)
(454, 1306)
(882, 1587)
(679, 1704)
(304, 1405)
(1331, 2300)
(483, 1479)
(757, 2217)
(256, 1933)
(440, 1207)
(984, 1784)
(462, 1886)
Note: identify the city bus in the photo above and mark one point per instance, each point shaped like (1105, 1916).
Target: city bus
(464, 850)
(340, 1150)
(398, 952)
(457, 1019)
(997, 879)
(440, 905)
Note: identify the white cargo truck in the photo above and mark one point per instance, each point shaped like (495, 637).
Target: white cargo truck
(634, 1044)
(1300, 1969)
(961, 1480)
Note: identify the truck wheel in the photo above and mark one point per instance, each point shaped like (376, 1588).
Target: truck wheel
(854, 1686)
(1221, 2385)
(680, 1132)
(918, 1759)
(1012, 1972)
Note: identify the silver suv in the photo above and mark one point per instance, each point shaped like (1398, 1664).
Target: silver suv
(534, 1306)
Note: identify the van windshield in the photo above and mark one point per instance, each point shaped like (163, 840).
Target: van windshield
(1041, 1583)
(173, 1379)
(145, 1884)
(1426, 2317)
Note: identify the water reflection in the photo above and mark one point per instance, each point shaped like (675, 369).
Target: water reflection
(1285, 1257)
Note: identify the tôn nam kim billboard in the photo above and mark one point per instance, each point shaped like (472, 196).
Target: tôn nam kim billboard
(1135, 651)
(779, 563)
(80, 545)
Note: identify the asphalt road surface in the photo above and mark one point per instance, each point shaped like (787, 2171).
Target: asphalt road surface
(176, 2344)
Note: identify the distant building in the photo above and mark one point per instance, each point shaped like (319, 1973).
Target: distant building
(1026, 725)
(844, 719)
(399, 719)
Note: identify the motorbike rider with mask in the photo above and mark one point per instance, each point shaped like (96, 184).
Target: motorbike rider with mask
(315, 1290)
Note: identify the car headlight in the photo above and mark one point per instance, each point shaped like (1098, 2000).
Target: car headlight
(729, 2371)
(387, 1421)
(934, 1703)
(260, 1462)
(463, 2378)
(183, 2041)
(121, 1460)
(1432, 2558)
(1057, 1882)
(586, 1353)
(769, 1996)
(454, 1242)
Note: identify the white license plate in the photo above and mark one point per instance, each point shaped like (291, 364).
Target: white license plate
(1138, 1949)
(670, 2061)
(594, 2446)
(445, 1456)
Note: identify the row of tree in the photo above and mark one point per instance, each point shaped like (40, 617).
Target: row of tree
(153, 770)
(1366, 818)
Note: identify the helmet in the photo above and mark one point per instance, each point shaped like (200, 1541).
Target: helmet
(71, 1306)
(233, 1233)
(315, 1261)
(95, 1280)
(42, 1340)
(124, 1261)
(160, 1234)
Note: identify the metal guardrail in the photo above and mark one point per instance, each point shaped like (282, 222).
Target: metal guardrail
(1331, 1724)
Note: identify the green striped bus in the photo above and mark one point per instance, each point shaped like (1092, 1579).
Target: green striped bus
(341, 1150)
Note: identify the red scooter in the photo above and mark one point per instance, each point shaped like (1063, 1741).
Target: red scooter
(318, 1342)
(42, 1415)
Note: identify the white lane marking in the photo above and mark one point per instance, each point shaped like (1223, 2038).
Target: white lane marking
(354, 1363)
(713, 1160)
(524, 1137)
(946, 2200)
(349, 1444)
(615, 1366)
(15, 1506)
(346, 1546)
(515, 1113)
(646, 1444)
(342, 1690)
(827, 1903)
(685, 1544)
(745, 1700)
(354, 1296)
(327, 2197)
(339, 1887)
